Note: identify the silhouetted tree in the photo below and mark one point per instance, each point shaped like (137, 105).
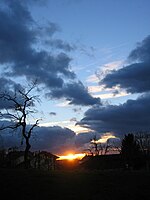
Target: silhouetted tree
(97, 148)
(95, 145)
(130, 150)
(143, 139)
(22, 103)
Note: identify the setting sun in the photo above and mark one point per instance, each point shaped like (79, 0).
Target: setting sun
(72, 156)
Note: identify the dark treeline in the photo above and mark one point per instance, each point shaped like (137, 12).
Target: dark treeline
(133, 154)
(135, 150)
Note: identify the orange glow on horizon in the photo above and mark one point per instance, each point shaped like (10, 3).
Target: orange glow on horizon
(72, 156)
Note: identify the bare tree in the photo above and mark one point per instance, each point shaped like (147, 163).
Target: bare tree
(143, 140)
(22, 105)
(95, 146)
(98, 148)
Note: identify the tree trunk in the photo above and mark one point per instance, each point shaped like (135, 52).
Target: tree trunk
(26, 154)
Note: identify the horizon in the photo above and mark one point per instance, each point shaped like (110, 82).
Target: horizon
(91, 61)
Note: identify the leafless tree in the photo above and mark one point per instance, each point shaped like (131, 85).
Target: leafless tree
(22, 105)
(143, 140)
(98, 148)
(95, 146)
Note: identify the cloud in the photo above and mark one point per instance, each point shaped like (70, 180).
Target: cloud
(7, 86)
(111, 95)
(22, 51)
(106, 93)
(107, 68)
(63, 103)
(142, 51)
(92, 79)
(88, 51)
(78, 129)
(76, 93)
(134, 115)
(135, 76)
(83, 138)
(52, 139)
(77, 110)
(17, 40)
(73, 119)
(95, 88)
(47, 31)
(55, 139)
(53, 113)
(60, 44)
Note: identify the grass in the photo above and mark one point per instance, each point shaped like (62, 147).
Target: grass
(74, 185)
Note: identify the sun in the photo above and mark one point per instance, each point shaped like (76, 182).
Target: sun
(72, 156)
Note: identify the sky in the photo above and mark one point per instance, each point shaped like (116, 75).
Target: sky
(91, 60)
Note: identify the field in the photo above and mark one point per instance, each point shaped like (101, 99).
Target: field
(71, 185)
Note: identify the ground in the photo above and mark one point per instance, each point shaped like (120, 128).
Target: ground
(74, 185)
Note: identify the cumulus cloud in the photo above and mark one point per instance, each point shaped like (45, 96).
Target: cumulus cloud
(134, 115)
(83, 138)
(22, 51)
(142, 51)
(55, 139)
(17, 38)
(7, 86)
(135, 76)
(76, 93)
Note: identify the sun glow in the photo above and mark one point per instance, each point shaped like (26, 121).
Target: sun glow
(71, 156)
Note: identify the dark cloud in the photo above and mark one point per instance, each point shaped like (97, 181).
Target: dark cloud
(76, 93)
(134, 115)
(83, 138)
(141, 52)
(7, 86)
(74, 119)
(53, 113)
(21, 40)
(54, 139)
(18, 34)
(134, 77)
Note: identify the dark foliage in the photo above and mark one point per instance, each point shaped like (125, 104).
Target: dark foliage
(131, 152)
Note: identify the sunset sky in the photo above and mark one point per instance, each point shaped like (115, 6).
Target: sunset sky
(91, 59)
